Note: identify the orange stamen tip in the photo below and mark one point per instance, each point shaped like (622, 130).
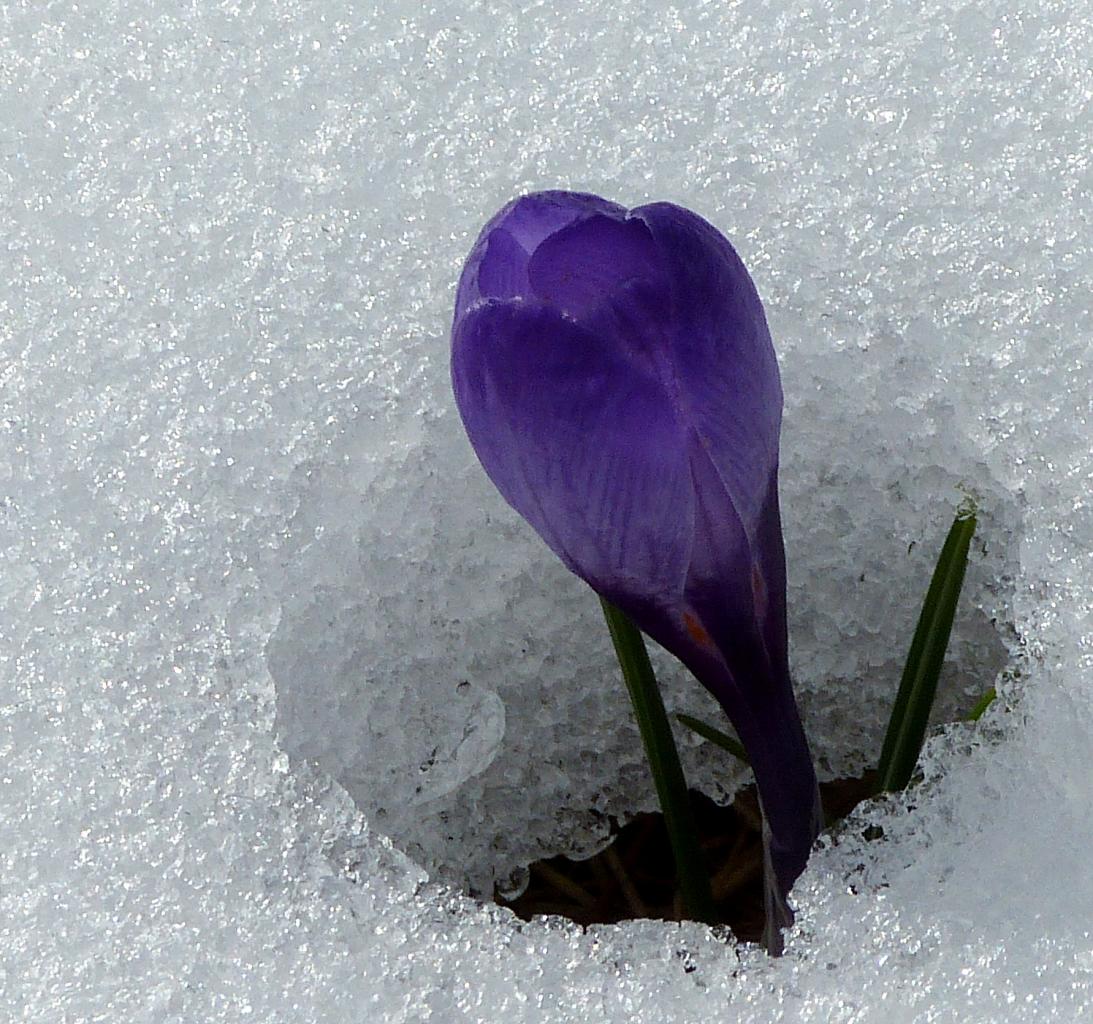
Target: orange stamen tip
(697, 630)
(758, 586)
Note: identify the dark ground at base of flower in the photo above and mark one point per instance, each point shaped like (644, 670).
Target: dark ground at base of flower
(635, 878)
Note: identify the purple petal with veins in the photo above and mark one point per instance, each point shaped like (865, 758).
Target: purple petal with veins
(616, 377)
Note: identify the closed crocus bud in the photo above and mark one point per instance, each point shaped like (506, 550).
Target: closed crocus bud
(616, 378)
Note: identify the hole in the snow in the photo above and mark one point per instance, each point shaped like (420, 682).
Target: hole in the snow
(436, 661)
(634, 877)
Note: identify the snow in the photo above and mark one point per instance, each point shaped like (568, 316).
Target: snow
(284, 686)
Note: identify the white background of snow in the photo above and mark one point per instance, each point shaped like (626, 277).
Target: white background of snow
(239, 519)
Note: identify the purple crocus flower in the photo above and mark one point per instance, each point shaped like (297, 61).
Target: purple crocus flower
(616, 378)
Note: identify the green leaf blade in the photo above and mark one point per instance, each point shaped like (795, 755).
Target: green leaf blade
(664, 764)
(982, 704)
(715, 736)
(914, 701)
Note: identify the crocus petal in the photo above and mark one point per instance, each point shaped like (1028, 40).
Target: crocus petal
(534, 218)
(722, 353)
(736, 585)
(595, 462)
(718, 630)
(528, 221)
(616, 377)
(729, 385)
(593, 258)
(503, 272)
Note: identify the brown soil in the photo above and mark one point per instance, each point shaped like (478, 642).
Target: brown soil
(634, 877)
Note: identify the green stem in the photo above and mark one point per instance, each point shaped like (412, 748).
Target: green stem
(660, 748)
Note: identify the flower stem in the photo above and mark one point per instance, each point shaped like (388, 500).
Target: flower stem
(660, 749)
